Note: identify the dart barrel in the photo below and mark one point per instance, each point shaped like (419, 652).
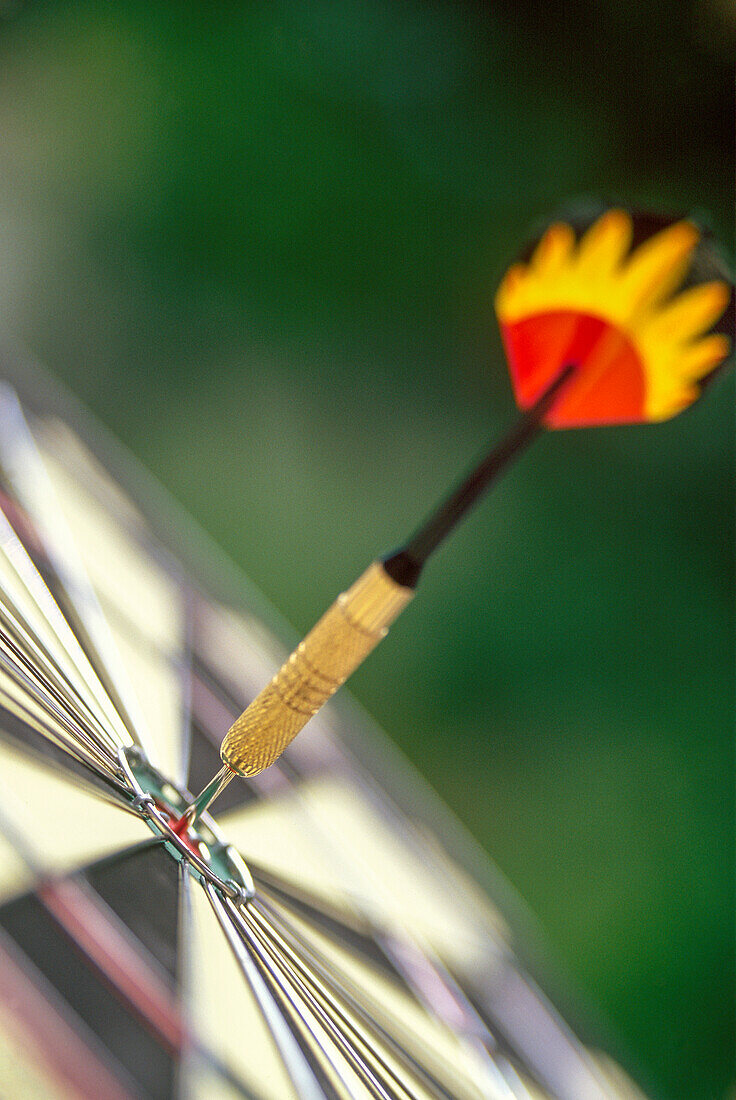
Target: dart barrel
(348, 631)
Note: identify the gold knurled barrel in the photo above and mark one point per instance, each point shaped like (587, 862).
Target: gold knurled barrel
(334, 647)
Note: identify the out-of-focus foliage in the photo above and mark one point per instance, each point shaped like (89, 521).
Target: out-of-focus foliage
(262, 241)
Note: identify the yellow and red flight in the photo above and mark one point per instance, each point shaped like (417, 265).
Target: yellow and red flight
(641, 332)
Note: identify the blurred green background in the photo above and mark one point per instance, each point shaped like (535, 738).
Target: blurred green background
(261, 242)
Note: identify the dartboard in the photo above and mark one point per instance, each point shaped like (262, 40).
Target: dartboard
(332, 932)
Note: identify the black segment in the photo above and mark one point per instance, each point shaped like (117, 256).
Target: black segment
(142, 888)
(122, 1034)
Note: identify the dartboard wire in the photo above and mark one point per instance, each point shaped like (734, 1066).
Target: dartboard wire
(55, 633)
(21, 711)
(319, 1042)
(22, 458)
(439, 988)
(479, 1033)
(475, 1031)
(15, 635)
(364, 890)
(54, 702)
(346, 764)
(365, 884)
(351, 992)
(320, 909)
(48, 705)
(275, 895)
(346, 988)
(185, 681)
(368, 1074)
(115, 954)
(112, 952)
(314, 972)
(271, 1001)
(372, 1070)
(195, 1048)
(96, 933)
(57, 725)
(56, 637)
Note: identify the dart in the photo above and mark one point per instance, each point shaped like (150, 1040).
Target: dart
(320, 938)
(622, 322)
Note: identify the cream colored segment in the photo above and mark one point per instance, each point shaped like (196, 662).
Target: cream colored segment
(199, 1081)
(120, 570)
(278, 835)
(242, 652)
(223, 1011)
(329, 839)
(402, 882)
(26, 708)
(22, 1075)
(16, 877)
(31, 682)
(61, 824)
(619, 1085)
(57, 438)
(275, 834)
(130, 587)
(22, 460)
(158, 690)
(524, 1088)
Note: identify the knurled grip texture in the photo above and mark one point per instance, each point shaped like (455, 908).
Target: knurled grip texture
(334, 647)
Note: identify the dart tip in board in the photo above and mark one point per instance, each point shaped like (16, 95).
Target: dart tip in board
(203, 800)
(600, 327)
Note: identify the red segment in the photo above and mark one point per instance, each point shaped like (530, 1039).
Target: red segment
(181, 826)
(182, 829)
(103, 942)
(609, 384)
(55, 1044)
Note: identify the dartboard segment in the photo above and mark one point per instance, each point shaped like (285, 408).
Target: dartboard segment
(44, 1049)
(54, 824)
(137, 587)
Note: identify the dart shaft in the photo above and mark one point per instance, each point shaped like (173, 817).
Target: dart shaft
(206, 797)
(354, 625)
(406, 564)
(348, 631)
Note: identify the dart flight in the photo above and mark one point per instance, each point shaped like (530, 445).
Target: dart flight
(640, 346)
(609, 326)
